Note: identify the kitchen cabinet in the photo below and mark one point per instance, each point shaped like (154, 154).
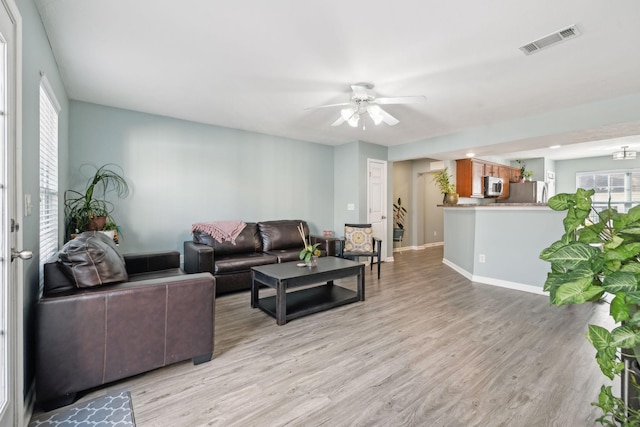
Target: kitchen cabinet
(515, 175)
(490, 169)
(504, 172)
(470, 173)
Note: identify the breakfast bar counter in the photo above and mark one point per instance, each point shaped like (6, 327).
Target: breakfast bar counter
(493, 205)
(499, 243)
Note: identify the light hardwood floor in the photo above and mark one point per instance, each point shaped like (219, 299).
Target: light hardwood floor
(426, 348)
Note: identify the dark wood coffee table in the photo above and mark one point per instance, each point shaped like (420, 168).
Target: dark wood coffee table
(285, 306)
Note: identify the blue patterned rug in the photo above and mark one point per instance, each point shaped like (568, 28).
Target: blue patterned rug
(112, 410)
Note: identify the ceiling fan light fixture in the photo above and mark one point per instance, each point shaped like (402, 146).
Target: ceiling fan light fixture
(353, 120)
(375, 112)
(624, 154)
(346, 113)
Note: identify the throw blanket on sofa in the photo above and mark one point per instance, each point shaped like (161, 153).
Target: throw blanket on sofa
(220, 230)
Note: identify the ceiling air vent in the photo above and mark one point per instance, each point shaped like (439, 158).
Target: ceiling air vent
(550, 40)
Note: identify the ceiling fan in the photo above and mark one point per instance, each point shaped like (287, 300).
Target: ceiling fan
(362, 102)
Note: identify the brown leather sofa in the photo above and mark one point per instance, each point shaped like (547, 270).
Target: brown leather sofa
(261, 243)
(92, 336)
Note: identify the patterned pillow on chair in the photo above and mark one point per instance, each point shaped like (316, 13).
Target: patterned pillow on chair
(358, 239)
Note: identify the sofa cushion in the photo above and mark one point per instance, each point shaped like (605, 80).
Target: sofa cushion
(277, 235)
(91, 259)
(357, 239)
(247, 241)
(243, 262)
(56, 279)
(286, 255)
(146, 262)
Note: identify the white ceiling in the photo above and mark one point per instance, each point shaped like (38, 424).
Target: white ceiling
(256, 65)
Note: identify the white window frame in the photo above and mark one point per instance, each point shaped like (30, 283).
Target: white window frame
(48, 175)
(621, 206)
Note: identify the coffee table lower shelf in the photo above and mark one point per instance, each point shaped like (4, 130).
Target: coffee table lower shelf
(311, 300)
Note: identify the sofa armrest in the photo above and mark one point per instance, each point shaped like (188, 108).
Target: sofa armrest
(326, 244)
(146, 262)
(198, 258)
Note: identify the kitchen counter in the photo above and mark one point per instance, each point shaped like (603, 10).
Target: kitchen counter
(492, 205)
(499, 243)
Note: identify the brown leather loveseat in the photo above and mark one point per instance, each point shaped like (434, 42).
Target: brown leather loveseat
(261, 243)
(91, 336)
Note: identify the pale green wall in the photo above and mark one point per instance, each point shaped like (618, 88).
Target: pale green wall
(536, 166)
(429, 219)
(183, 172)
(510, 239)
(346, 186)
(566, 169)
(36, 58)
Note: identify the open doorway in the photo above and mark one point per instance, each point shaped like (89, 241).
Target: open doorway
(431, 216)
(424, 221)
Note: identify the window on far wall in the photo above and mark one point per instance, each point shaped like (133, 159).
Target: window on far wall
(622, 187)
(49, 109)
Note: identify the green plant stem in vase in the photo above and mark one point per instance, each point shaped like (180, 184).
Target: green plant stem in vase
(308, 250)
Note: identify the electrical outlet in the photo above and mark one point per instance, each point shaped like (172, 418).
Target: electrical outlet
(481, 258)
(351, 207)
(435, 233)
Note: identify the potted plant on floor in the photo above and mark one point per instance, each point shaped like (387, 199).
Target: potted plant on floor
(599, 254)
(89, 209)
(443, 180)
(399, 212)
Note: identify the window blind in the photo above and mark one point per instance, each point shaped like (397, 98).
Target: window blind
(620, 188)
(48, 177)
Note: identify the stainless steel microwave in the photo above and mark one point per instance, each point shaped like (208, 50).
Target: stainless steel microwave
(493, 186)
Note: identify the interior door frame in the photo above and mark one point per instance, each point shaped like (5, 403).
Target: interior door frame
(384, 163)
(15, 295)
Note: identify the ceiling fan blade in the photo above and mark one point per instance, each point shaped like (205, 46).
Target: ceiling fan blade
(401, 100)
(388, 118)
(338, 122)
(360, 91)
(342, 104)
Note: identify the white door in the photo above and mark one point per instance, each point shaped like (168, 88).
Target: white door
(377, 201)
(11, 388)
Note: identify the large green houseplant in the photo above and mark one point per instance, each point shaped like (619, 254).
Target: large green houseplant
(89, 209)
(594, 257)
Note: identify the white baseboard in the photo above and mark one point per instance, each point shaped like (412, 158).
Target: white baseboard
(458, 269)
(417, 248)
(496, 282)
(413, 248)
